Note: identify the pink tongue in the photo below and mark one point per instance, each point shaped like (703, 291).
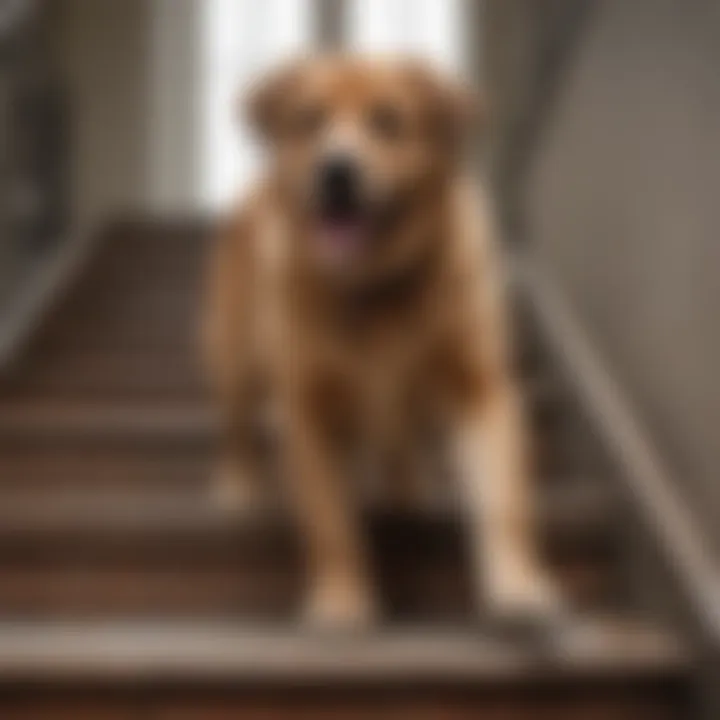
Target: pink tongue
(341, 239)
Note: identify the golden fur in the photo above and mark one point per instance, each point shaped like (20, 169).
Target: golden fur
(365, 354)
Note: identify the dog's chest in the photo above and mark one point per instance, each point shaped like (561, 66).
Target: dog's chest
(385, 373)
(368, 370)
(384, 386)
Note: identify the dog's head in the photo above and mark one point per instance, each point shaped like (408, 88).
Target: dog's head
(356, 145)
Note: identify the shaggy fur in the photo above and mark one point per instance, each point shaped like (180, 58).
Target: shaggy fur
(362, 340)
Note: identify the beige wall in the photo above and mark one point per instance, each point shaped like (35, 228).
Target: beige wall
(102, 50)
(625, 204)
(133, 70)
(175, 117)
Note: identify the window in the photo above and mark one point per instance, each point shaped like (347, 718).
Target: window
(430, 28)
(240, 38)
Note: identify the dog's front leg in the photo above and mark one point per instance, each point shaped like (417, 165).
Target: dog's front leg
(240, 483)
(495, 486)
(340, 593)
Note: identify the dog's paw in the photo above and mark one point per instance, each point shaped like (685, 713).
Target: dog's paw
(528, 596)
(339, 606)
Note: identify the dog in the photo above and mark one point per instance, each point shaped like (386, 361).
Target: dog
(358, 293)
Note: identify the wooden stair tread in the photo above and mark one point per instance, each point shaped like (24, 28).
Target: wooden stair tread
(172, 418)
(117, 569)
(212, 652)
(165, 553)
(113, 375)
(37, 413)
(109, 465)
(569, 509)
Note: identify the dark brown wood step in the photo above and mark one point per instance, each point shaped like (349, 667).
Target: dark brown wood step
(653, 698)
(130, 324)
(432, 591)
(617, 669)
(51, 441)
(138, 294)
(38, 408)
(600, 648)
(111, 375)
(143, 372)
(71, 592)
(170, 313)
(40, 416)
(83, 464)
(111, 464)
(61, 446)
(105, 453)
(166, 554)
(576, 513)
(42, 419)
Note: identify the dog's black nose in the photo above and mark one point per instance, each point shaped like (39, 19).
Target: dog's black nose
(338, 185)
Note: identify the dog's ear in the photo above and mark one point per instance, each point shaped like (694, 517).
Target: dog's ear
(455, 112)
(265, 104)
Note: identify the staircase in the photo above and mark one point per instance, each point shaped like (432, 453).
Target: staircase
(126, 592)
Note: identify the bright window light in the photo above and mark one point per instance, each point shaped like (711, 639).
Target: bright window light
(428, 28)
(240, 39)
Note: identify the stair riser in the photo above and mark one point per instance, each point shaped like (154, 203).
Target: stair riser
(181, 582)
(638, 700)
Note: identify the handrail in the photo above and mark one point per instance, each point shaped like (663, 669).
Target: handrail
(54, 275)
(648, 480)
(13, 14)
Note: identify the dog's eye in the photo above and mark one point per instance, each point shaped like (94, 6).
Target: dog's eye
(308, 120)
(386, 121)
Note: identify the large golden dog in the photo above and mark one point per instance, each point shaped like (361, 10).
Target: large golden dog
(358, 293)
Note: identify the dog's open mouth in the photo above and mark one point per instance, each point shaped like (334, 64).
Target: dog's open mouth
(342, 237)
